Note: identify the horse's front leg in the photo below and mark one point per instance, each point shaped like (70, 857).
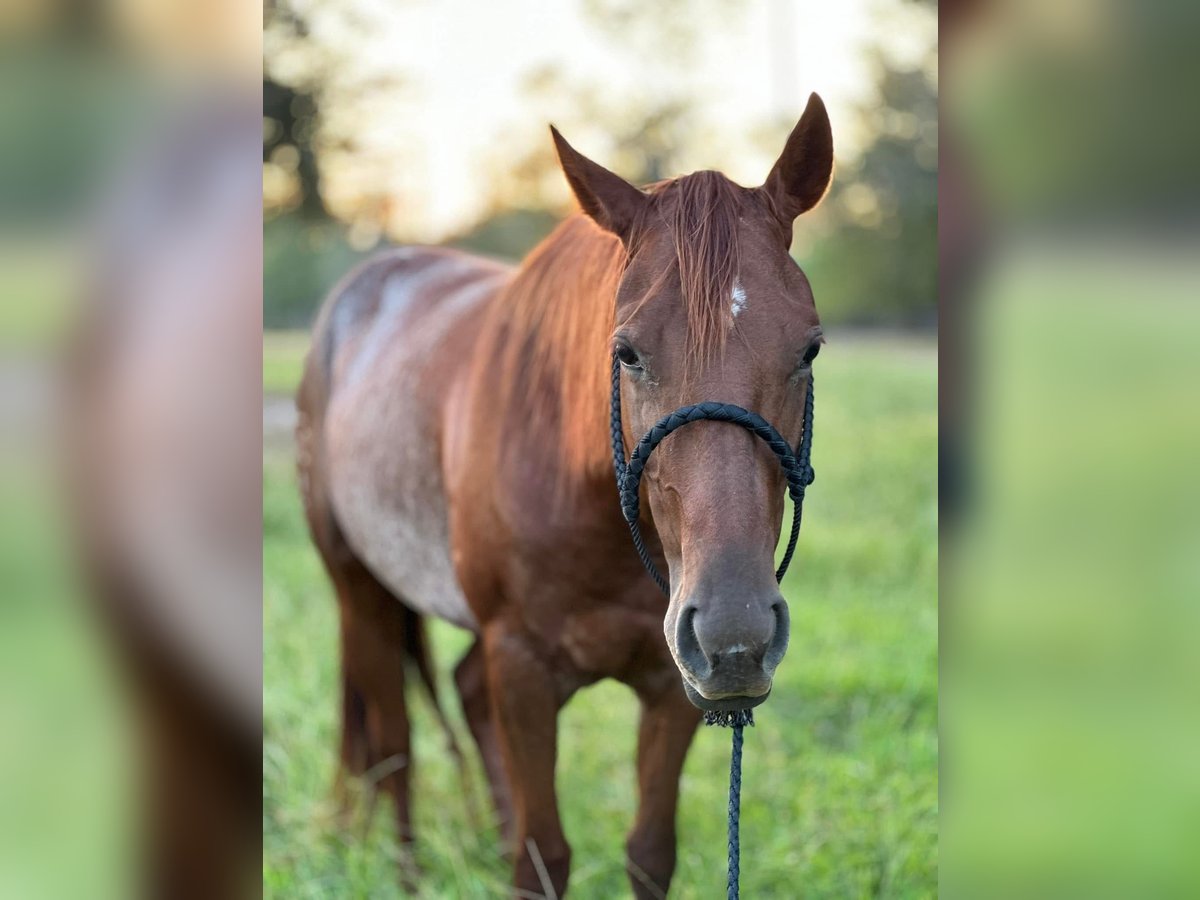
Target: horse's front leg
(526, 697)
(667, 725)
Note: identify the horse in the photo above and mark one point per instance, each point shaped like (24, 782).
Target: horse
(453, 446)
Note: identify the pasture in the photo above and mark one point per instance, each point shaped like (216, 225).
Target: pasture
(840, 775)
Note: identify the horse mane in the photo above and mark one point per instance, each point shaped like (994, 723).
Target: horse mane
(701, 211)
(548, 344)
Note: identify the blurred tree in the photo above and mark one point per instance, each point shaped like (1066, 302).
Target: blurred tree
(314, 92)
(330, 92)
(289, 125)
(643, 139)
(870, 250)
(302, 259)
(875, 261)
(642, 134)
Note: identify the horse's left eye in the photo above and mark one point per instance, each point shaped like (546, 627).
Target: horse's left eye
(811, 353)
(628, 356)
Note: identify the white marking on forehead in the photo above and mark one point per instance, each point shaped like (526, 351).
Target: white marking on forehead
(739, 298)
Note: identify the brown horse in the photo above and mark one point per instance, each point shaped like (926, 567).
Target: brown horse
(455, 460)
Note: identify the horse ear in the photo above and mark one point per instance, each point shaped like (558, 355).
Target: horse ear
(801, 175)
(612, 202)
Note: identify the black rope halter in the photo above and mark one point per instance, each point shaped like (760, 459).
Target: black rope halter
(799, 474)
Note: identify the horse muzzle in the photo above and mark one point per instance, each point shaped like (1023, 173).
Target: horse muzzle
(724, 704)
(728, 653)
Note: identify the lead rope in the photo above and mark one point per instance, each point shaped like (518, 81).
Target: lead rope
(799, 474)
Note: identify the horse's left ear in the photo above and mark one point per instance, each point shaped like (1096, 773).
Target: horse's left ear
(612, 202)
(801, 175)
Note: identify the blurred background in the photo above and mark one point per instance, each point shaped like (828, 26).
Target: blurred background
(427, 123)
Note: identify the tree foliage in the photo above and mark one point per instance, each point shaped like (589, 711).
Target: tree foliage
(876, 262)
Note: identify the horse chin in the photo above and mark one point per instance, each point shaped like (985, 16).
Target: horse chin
(725, 704)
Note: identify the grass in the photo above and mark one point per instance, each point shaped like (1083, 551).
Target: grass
(283, 360)
(840, 792)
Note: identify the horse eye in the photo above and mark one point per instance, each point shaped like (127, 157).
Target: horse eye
(811, 353)
(628, 356)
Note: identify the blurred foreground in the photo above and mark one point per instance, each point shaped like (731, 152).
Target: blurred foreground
(1070, 385)
(130, 328)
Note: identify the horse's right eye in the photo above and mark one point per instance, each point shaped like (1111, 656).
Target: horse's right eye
(628, 356)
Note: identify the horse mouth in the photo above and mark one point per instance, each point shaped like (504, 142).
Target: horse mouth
(722, 704)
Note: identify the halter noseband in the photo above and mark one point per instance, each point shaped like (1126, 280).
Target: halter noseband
(796, 467)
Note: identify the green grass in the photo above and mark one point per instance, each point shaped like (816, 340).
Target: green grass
(283, 360)
(840, 789)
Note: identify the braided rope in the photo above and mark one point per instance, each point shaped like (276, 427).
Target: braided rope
(735, 814)
(799, 473)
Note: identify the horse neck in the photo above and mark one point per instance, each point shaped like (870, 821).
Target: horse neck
(550, 349)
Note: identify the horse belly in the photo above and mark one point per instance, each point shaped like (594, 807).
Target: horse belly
(381, 434)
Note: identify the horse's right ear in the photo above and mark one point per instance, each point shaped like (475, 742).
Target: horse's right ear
(801, 175)
(612, 202)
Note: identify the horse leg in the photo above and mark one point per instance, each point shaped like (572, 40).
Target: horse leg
(525, 700)
(471, 678)
(354, 755)
(375, 737)
(349, 577)
(668, 723)
(376, 633)
(419, 655)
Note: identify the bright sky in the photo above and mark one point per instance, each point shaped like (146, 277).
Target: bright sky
(463, 63)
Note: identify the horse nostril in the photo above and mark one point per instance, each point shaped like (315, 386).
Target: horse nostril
(687, 644)
(779, 640)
